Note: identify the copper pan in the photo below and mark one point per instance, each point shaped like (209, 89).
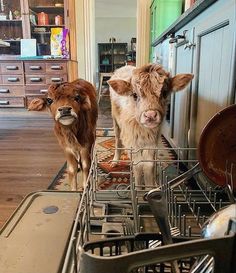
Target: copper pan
(217, 148)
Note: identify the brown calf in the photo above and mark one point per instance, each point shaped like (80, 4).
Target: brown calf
(74, 109)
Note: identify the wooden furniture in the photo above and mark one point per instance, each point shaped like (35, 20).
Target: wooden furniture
(21, 79)
(111, 56)
(102, 77)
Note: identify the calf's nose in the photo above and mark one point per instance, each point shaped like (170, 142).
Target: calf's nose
(150, 114)
(65, 110)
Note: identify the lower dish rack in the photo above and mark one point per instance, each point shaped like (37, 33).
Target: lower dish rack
(112, 205)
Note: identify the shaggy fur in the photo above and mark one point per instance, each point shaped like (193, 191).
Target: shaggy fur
(139, 100)
(74, 108)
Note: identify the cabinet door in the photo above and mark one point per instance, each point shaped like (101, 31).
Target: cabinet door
(47, 17)
(119, 55)
(214, 62)
(10, 26)
(180, 102)
(105, 58)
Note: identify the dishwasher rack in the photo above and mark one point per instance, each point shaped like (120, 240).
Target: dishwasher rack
(112, 205)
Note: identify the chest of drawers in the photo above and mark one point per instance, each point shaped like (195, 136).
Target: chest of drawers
(21, 81)
(12, 84)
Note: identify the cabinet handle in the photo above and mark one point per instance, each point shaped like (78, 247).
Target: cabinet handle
(56, 79)
(4, 91)
(4, 102)
(43, 91)
(13, 79)
(38, 79)
(178, 37)
(12, 67)
(56, 67)
(35, 67)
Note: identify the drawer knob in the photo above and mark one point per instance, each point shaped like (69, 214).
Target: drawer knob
(12, 67)
(56, 79)
(38, 79)
(4, 91)
(56, 67)
(13, 79)
(43, 91)
(35, 67)
(4, 102)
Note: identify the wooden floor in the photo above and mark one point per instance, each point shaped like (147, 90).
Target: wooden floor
(30, 156)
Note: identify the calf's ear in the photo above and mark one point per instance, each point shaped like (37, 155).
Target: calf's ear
(121, 87)
(38, 104)
(180, 81)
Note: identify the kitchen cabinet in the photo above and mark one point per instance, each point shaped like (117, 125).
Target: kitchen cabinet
(162, 14)
(44, 16)
(208, 51)
(21, 79)
(111, 56)
(11, 26)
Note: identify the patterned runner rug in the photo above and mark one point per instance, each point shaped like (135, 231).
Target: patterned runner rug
(108, 177)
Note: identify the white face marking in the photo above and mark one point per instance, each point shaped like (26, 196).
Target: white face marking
(66, 120)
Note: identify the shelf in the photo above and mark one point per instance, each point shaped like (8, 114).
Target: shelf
(11, 21)
(49, 9)
(105, 54)
(47, 25)
(12, 41)
(41, 33)
(4, 43)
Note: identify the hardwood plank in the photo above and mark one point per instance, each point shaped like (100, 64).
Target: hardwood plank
(30, 156)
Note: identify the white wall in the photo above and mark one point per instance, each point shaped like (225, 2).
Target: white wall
(115, 18)
(123, 29)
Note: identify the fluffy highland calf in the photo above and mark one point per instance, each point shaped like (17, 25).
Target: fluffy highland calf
(139, 100)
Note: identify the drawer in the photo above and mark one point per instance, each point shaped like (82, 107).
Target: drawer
(12, 68)
(35, 67)
(12, 102)
(29, 98)
(56, 67)
(56, 79)
(13, 79)
(6, 91)
(35, 79)
(36, 89)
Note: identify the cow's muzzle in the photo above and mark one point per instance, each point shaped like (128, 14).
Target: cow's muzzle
(151, 118)
(65, 115)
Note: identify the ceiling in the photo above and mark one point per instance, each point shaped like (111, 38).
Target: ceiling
(115, 8)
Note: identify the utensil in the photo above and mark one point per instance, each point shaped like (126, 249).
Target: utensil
(218, 224)
(158, 204)
(217, 148)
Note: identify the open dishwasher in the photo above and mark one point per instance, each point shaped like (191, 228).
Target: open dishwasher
(116, 231)
(128, 228)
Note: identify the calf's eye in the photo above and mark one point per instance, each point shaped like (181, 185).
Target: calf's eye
(135, 96)
(49, 101)
(78, 98)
